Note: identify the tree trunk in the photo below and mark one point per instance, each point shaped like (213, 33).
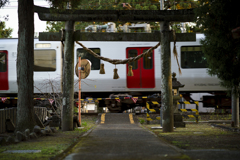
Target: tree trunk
(166, 79)
(25, 109)
(68, 79)
(235, 107)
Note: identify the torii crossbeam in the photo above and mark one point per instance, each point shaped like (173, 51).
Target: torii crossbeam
(185, 15)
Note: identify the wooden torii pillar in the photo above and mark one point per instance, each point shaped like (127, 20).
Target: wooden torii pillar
(164, 16)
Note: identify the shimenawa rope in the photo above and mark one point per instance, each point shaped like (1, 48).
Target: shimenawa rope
(118, 61)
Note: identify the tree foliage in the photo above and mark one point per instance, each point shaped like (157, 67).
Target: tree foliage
(217, 19)
(3, 3)
(55, 26)
(62, 4)
(179, 4)
(119, 4)
(5, 32)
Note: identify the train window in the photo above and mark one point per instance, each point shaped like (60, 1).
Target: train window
(133, 53)
(192, 57)
(147, 60)
(44, 60)
(85, 55)
(3, 60)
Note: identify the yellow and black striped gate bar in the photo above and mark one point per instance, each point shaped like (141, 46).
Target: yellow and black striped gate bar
(151, 110)
(192, 102)
(195, 111)
(181, 110)
(120, 97)
(189, 102)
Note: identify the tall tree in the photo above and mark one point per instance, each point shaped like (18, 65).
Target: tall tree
(25, 110)
(5, 32)
(217, 19)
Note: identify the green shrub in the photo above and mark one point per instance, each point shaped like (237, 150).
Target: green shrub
(142, 121)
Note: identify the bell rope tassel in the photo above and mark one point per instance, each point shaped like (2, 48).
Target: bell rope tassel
(130, 72)
(115, 76)
(102, 70)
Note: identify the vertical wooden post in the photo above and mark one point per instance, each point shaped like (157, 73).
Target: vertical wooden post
(79, 91)
(68, 79)
(166, 79)
(161, 28)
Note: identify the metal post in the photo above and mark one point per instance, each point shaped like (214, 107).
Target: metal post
(166, 79)
(68, 79)
(79, 91)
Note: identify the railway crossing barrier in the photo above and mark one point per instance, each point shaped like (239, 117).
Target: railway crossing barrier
(91, 99)
(194, 113)
(120, 97)
(149, 110)
(184, 112)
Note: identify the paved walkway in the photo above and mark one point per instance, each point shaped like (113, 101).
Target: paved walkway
(118, 137)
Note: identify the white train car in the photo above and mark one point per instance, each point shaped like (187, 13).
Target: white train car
(147, 71)
(47, 64)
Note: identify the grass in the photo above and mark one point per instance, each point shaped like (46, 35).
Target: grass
(142, 117)
(142, 121)
(179, 144)
(50, 146)
(199, 136)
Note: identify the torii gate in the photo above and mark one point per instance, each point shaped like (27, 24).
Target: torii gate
(164, 16)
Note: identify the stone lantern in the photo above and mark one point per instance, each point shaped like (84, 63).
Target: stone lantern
(178, 121)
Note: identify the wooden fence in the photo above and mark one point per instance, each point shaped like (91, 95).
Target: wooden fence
(11, 113)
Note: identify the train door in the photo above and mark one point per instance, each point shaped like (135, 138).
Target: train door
(143, 69)
(4, 70)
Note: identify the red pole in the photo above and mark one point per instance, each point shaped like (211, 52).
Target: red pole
(79, 91)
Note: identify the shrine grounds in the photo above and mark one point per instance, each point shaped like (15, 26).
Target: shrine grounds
(201, 136)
